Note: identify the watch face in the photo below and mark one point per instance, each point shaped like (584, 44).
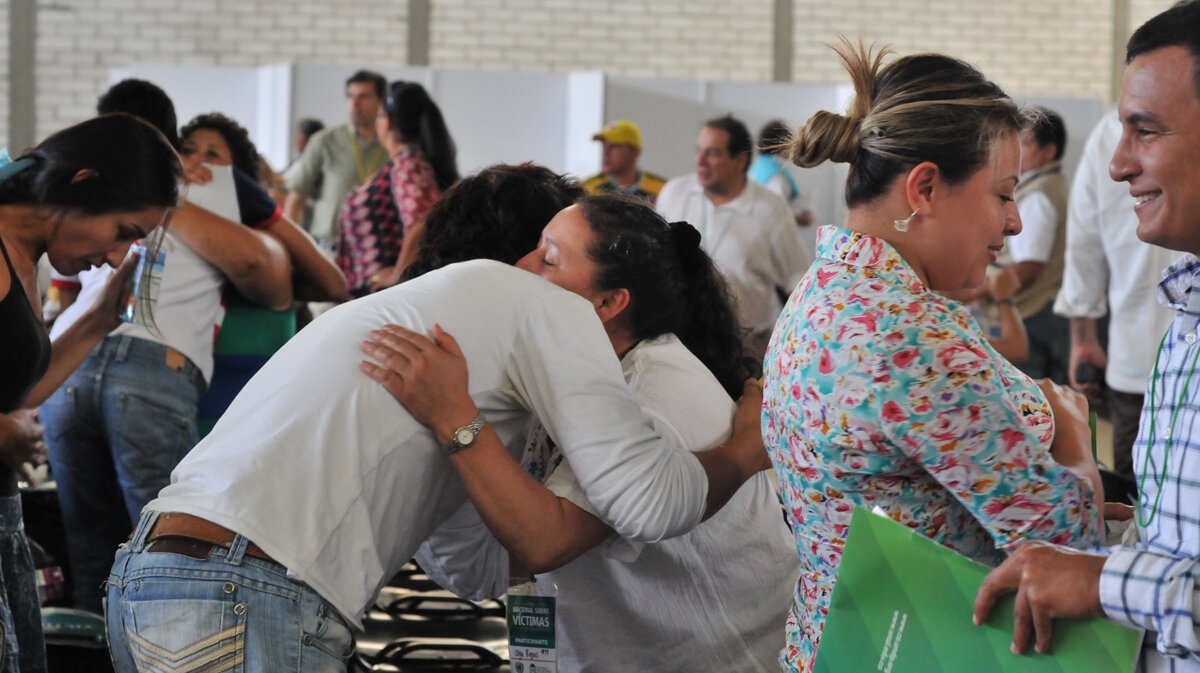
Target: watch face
(465, 435)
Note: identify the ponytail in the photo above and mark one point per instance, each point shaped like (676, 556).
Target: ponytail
(673, 285)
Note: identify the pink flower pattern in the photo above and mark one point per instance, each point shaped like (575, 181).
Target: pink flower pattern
(878, 392)
(378, 213)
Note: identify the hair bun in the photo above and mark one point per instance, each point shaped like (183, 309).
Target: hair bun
(687, 239)
(827, 137)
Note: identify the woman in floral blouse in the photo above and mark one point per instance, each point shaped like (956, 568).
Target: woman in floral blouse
(382, 217)
(879, 391)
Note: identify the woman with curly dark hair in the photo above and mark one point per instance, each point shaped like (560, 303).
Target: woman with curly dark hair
(714, 598)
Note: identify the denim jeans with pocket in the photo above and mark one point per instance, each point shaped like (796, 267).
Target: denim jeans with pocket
(226, 612)
(114, 431)
(20, 614)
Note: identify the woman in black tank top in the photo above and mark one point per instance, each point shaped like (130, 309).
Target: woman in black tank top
(81, 198)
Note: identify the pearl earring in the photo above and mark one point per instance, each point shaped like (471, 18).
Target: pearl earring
(902, 225)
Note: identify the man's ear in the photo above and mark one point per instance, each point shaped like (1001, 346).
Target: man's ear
(612, 304)
(85, 174)
(920, 187)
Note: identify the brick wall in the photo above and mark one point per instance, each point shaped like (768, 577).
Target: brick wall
(1058, 47)
(79, 41)
(1038, 47)
(711, 39)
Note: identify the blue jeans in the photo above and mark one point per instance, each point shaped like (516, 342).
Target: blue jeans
(114, 431)
(20, 615)
(228, 611)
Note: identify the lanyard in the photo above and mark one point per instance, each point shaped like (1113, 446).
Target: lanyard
(705, 206)
(1162, 478)
(364, 171)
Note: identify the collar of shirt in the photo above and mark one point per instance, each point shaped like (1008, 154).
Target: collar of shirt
(737, 204)
(862, 250)
(1178, 292)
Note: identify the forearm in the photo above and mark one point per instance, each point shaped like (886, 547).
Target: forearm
(1084, 332)
(68, 351)
(1012, 343)
(1154, 591)
(254, 262)
(293, 206)
(410, 245)
(321, 279)
(541, 530)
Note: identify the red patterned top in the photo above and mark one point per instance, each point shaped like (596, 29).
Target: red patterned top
(377, 214)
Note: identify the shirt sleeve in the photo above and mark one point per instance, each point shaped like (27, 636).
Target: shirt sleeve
(1157, 592)
(1084, 291)
(949, 403)
(414, 189)
(464, 557)
(1039, 222)
(256, 206)
(563, 365)
(304, 176)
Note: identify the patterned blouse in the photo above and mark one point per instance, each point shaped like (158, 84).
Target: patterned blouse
(878, 392)
(378, 213)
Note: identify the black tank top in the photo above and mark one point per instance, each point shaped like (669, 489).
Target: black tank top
(23, 342)
(26, 355)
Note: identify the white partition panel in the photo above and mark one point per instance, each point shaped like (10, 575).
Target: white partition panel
(508, 117)
(198, 89)
(584, 117)
(669, 113)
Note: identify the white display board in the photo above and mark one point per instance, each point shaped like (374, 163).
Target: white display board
(548, 118)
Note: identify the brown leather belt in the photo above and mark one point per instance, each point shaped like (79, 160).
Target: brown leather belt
(179, 533)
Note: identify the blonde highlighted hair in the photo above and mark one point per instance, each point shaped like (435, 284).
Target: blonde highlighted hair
(924, 107)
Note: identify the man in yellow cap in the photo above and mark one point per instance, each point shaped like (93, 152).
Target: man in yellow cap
(619, 170)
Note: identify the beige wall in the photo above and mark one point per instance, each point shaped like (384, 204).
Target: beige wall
(1057, 47)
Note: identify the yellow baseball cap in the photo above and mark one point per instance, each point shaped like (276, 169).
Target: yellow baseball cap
(621, 132)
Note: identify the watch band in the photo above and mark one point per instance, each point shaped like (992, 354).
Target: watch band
(464, 436)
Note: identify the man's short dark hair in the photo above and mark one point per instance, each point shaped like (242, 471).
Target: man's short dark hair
(740, 141)
(1048, 128)
(308, 127)
(144, 100)
(498, 213)
(1178, 26)
(369, 77)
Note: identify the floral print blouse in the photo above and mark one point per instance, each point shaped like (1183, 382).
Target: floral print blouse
(879, 392)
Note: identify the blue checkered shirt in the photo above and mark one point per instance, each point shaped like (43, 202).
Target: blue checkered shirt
(1152, 585)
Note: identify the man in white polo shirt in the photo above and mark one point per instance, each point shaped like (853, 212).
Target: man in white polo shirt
(747, 229)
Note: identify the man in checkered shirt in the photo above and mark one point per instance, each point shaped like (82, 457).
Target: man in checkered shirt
(1150, 584)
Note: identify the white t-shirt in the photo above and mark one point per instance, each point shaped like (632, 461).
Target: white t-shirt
(713, 599)
(1039, 227)
(1109, 269)
(754, 242)
(324, 470)
(189, 310)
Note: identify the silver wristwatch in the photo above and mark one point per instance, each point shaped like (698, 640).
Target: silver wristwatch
(464, 436)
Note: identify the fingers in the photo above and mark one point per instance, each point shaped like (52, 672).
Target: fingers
(1118, 511)
(445, 341)
(1022, 623)
(1003, 580)
(1043, 626)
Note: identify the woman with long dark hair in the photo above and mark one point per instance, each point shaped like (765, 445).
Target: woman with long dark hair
(81, 197)
(381, 219)
(714, 598)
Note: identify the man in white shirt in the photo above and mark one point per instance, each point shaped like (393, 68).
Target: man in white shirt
(1037, 252)
(313, 489)
(1108, 270)
(747, 229)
